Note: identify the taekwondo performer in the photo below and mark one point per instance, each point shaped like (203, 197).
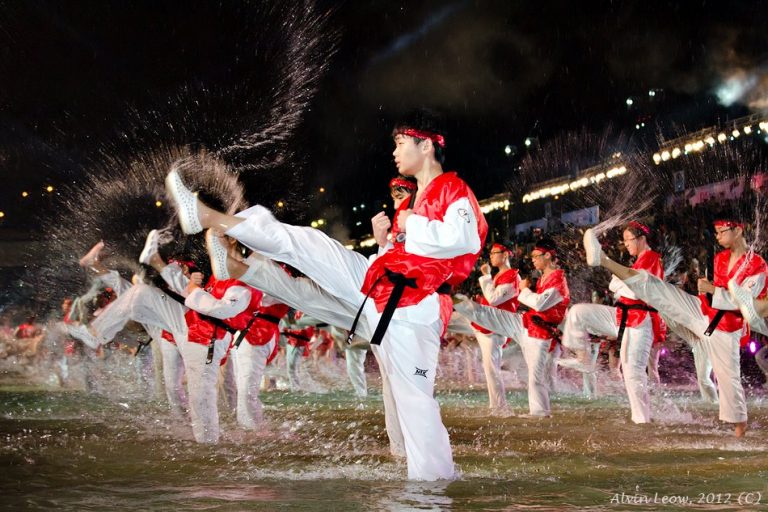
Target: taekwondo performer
(499, 291)
(436, 242)
(716, 320)
(536, 330)
(634, 324)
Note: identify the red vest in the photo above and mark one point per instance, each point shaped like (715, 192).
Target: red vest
(511, 276)
(749, 264)
(429, 273)
(262, 330)
(651, 262)
(554, 315)
(202, 331)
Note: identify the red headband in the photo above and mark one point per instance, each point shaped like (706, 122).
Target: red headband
(421, 134)
(553, 252)
(189, 263)
(728, 223)
(640, 227)
(499, 247)
(402, 182)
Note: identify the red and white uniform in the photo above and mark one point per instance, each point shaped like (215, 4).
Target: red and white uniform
(694, 314)
(549, 303)
(643, 328)
(499, 291)
(443, 239)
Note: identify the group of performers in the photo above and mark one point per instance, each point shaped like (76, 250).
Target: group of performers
(400, 301)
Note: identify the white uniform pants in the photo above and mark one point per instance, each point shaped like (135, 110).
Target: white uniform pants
(491, 348)
(585, 319)
(250, 363)
(355, 358)
(722, 348)
(539, 360)
(293, 360)
(408, 353)
(147, 305)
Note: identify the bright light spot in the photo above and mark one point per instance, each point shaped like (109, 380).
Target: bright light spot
(722, 137)
(747, 130)
(676, 152)
(322, 190)
(508, 149)
(49, 189)
(637, 127)
(630, 102)
(651, 93)
(2, 214)
(665, 155)
(362, 207)
(384, 205)
(321, 222)
(710, 140)
(25, 194)
(158, 203)
(313, 223)
(528, 142)
(752, 347)
(354, 208)
(663, 351)
(280, 204)
(736, 133)
(688, 147)
(358, 223)
(657, 158)
(734, 88)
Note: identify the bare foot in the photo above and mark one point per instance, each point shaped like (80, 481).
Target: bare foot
(741, 429)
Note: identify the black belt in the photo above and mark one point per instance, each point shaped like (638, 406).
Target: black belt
(269, 318)
(552, 329)
(217, 323)
(623, 322)
(296, 336)
(400, 282)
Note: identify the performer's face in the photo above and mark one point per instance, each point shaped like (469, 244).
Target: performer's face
(399, 194)
(540, 259)
(498, 257)
(726, 236)
(634, 244)
(409, 156)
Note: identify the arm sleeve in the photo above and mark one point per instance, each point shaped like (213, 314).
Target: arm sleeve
(540, 301)
(496, 295)
(234, 302)
(620, 289)
(721, 299)
(174, 276)
(455, 235)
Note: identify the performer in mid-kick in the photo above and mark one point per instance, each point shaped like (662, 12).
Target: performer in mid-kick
(435, 246)
(635, 325)
(716, 320)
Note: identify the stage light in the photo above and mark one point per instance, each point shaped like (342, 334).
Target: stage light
(722, 137)
(676, 152)
(158, 203)
(657, 158)
(665, 155)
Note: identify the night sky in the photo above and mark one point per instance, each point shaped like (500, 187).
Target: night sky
(76, 76)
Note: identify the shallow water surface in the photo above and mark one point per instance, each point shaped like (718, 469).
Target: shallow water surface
(73, 450)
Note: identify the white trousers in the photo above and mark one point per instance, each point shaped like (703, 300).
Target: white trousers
(491, 349)
(293, 360)
(148, 305)
(596, 319)
(539, 360)
(249, 369)
(355, 359)
(408, 353)
(722, 348)
(703, 365)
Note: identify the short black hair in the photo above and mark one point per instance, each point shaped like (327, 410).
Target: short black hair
(424, 120)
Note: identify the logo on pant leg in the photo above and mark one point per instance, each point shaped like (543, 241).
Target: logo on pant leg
(420, 372)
